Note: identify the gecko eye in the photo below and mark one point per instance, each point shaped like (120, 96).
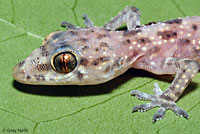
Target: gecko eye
(64, 62)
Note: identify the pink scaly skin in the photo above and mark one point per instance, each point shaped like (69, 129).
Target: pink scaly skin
(94, 55)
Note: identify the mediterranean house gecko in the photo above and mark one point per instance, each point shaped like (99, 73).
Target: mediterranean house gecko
(94, 55)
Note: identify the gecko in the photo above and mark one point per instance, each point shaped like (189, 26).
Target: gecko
(94, 55)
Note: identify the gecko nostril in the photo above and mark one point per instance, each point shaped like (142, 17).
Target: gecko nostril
(21, 63)
(19, 72)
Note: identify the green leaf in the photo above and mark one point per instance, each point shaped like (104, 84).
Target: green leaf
(104, 108)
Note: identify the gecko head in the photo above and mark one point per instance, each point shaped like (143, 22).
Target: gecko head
(64, 59)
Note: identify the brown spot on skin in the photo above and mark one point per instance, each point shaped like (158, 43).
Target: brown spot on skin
(174, 34)
(85, 47)
(134, 54)
(80, 75)
(28, 77)
(103, 44)
(169, 63)
(177, 93)
(39, 77)
(177, 65)
(179, 76)
(100, 59)
(126, 42)
(166, 97)
(194, 27)
(107, 69)
(21, 63)
(88, 32)
(95, 62)
(73, 32)
(45, 53)
(144, 40)
(104, 58)
(83, 40)
(153, 50)
(100, 36)
(134, 9)
(132, 32)
(183, 70)
(97, 49)
(197, 52)
(166, 35)
(84, 61)
(175, 21)
(183, 41)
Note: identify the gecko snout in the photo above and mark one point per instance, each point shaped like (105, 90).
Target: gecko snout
(19, 72)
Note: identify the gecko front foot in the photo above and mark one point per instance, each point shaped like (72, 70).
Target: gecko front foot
(157, 100)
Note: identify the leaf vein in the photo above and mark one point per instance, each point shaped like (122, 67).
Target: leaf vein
(11, 112)
(17, 36)
(179, 8)
(29, 33)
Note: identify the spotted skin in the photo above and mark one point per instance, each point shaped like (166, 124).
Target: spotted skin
(103, 53)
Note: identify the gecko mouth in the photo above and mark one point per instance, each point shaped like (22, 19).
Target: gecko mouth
(21, 75)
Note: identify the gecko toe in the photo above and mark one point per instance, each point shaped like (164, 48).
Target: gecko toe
(159, 114)
(142, 96)
(68, 25)
(143, 107)
(180, 112)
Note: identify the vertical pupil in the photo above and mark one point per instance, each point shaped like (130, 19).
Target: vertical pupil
(65, 62)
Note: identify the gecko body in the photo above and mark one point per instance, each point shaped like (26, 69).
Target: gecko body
(94, 55)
